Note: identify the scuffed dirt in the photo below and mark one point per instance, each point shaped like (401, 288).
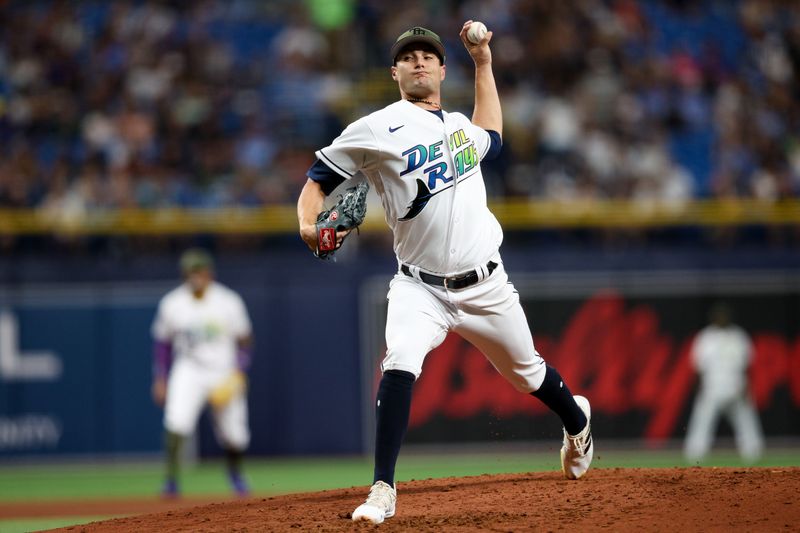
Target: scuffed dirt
(677, 499)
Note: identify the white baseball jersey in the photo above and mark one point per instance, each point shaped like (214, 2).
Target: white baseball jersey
(204, 330)
(427, 173)
(721, 355)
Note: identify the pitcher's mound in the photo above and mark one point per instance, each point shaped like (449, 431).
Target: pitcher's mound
(677, 499)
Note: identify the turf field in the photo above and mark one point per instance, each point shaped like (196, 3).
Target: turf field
(52, 482)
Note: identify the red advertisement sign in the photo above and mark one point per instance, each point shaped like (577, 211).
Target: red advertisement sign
(629, 355)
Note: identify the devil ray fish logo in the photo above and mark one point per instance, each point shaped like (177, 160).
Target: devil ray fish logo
(421, 200)
(423, 197)
(417, 157)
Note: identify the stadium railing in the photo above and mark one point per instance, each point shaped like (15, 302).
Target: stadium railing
(512, 214)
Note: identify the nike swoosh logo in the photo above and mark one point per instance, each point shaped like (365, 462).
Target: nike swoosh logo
(392, 130)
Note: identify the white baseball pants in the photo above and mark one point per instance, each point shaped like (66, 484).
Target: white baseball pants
(741, 414)
(487, 314)
(188, 388)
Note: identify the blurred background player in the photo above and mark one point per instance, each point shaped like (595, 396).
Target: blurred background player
(721, 355)
(203, 338)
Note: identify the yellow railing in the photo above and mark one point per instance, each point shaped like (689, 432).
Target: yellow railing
(512, 214)
(619, 214)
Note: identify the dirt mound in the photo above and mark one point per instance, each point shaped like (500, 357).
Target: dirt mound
(691, 499)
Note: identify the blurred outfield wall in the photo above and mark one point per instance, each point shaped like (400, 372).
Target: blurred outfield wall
(75, 346)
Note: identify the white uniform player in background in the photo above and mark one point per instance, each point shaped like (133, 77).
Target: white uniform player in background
(721, 355)
(203, 338)
(424, 164)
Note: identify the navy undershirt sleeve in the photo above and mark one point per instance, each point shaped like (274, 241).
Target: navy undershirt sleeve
(495, 145)
(322, 174)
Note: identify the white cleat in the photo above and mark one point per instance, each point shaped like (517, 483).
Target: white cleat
(379, 505)
(577, 451)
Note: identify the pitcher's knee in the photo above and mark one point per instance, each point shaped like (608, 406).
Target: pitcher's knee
(400, 366)
(403, 361)
(528, 378)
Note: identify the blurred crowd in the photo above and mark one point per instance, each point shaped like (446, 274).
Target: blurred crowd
(222, 102)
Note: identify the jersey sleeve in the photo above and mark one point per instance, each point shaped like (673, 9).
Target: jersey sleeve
(325, 176)
(482, 139)
(495, 145)
(748, 349)
(240, 320)
(354, 150)
(706, 351)
(698, 351)
(162, 330)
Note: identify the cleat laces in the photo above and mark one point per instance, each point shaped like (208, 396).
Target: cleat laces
(380, 496)
(582, 441)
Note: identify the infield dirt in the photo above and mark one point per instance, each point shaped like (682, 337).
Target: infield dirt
(614, 499)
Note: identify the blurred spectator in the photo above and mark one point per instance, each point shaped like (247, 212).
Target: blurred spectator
(721, 354)
(202, 104)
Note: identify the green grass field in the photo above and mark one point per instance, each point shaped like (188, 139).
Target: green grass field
(287, 475)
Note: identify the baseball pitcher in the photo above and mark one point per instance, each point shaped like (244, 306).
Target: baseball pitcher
(202, 337)
(425, 164)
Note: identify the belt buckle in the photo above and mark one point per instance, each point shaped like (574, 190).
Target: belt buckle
(452, 279)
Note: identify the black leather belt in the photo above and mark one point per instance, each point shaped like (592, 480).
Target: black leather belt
(460, 281)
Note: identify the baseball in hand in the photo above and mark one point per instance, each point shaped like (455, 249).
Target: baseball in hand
(476, 32)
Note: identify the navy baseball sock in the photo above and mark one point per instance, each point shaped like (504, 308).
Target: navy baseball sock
(234, 458)
(391, 417)
(555, 394)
